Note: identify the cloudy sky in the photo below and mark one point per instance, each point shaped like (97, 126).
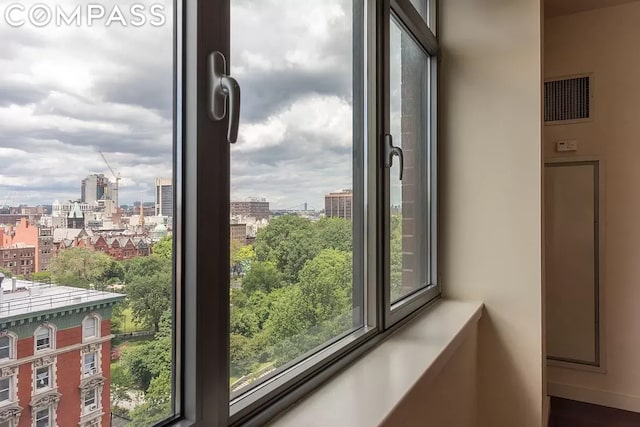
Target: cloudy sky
(68, 92)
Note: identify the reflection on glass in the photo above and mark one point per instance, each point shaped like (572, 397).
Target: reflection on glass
(409, 70)
(292, 210)
(86, 137)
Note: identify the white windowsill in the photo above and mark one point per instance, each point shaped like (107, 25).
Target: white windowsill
(367, 391)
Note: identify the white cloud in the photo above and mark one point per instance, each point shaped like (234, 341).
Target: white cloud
(66, 93)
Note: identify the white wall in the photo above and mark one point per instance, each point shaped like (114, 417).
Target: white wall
(490, 142)
(605, 42)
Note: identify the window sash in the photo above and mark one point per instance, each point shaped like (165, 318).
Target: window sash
(410, 21)
(5, 347)
(43, 377)
(90, 398)
(42, 418)
(5, 389)
(89, 328)
(202, 158)
(43, 339)
(89, 363)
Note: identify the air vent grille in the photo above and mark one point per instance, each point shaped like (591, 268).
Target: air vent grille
(567, 99)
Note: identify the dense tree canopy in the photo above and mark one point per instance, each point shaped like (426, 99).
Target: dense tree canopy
(150, 368)
(84, 267)
(296, 294)
(149, 287)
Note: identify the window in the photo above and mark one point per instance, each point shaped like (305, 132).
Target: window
(90, 327)
(44, 338)
(90, 364)
(5, 389)
(347, 171)
(90, 400)
(42, 418)
(276, 259)
(6, 347)
(43, 377)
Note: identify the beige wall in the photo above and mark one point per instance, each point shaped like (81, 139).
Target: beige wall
(449, 400)
(605, 43)
(491, 195)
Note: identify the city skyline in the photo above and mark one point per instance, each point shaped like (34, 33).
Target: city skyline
(69, 93)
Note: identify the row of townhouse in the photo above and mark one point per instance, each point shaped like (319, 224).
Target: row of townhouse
(119, 247)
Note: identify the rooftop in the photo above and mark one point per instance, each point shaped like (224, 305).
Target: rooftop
(30, 298)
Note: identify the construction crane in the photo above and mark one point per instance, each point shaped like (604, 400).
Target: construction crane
(116, 176)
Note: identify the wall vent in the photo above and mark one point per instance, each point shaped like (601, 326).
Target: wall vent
(567, 99)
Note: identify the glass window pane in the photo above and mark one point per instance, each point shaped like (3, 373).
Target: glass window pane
(5, 384)
(42, 377)
(409, 92)
(42, 418)
(86, 219)
(294, 198)
(5, 347)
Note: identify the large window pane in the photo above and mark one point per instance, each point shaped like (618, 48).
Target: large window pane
(409, 96)
(86, 188)
(294, 197)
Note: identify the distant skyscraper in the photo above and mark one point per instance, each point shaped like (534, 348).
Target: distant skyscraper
(339, 205)
(96, 187)
(164, 197)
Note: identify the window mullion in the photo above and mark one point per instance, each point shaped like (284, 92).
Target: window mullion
(204, 167)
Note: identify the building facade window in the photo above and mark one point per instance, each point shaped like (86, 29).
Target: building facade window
(91, 327)
(44, 338)
(43, 377)
(43, 418)
(90, 401)
(5, 389)
(90, 364)
(8, 342)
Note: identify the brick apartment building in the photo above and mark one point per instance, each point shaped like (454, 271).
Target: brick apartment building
(339, 204)
(19, 259)
(119, 247)
(27, 233)
(238, 233)
(258, 209)
(54, 355)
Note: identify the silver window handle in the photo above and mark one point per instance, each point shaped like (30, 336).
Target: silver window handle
(390, 151)
(221, 88)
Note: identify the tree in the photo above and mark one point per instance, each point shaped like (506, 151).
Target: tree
(150, 296)
(153, 362)
(335, 233)
(164, 247)
(42, 276)
(314, 310)
(245, 254)
(396, 256)
(121, 383)
(262, 276)
(149, 285)
(82, 267)
(288, 241)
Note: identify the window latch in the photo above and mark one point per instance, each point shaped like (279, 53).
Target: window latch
(221, 88)
(389, 151)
